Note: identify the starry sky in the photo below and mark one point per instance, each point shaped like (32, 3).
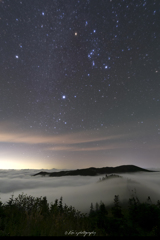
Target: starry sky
(79, 83)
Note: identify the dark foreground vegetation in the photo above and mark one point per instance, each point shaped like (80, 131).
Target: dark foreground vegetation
(111, 176)
(29, 216)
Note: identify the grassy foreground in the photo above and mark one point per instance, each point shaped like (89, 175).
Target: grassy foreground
(29, 216)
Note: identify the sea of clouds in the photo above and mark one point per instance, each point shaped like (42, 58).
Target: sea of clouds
(79, 191)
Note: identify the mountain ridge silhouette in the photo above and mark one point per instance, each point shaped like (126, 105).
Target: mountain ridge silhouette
(92, 171)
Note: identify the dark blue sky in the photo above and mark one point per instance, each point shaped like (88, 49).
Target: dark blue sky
(79, 71)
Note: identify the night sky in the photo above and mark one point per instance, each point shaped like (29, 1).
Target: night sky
(79, 83)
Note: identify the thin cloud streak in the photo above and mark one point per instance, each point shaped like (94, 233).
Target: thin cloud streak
(67, 139)
(104, 139)
(94, 148)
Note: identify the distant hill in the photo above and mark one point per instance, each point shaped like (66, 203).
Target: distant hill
(95, 171)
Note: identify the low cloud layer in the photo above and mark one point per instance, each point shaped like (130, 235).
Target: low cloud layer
(79, 191)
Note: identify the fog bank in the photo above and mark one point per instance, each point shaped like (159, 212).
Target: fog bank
(79, 191)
